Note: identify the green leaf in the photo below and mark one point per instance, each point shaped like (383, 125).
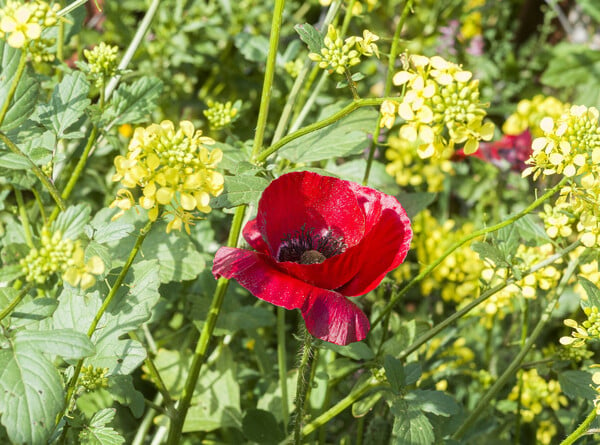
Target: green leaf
(531, 228)
(394, 372)
(254, 48)
(32, 312)
(415, 203)
(577, 385)
(572, 64)
(14, 161)
(24, 100)
(67, 105)
(239, 190)
(122, 390)
(434, 402)
(412, 372)
(132, 103)
(31, 394)
(356, 351)
(173, 368)
(10, 272)
(592, 292)
(346, 137)
(366, 404)
(103, 230)
(97, 433)
(261, 426)
(591, 8)
(71, 222)
(66, 343)
(309, 35)
(411, 426)
(489, 252)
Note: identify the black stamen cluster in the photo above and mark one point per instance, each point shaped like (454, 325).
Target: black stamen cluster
(294, 245)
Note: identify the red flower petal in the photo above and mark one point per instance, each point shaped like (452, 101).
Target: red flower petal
(382, 249)
(254, 237)
(307, 199)
(333, 318)
(258, 273)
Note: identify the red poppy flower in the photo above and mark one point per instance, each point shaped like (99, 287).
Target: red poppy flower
(318, 240)
(513, 150)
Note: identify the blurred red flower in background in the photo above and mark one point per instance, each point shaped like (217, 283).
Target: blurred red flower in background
(318, 240)
(511, 150)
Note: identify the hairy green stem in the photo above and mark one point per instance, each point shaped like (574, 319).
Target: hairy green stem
(351, 84)
(394, 50)
(485, 401)
(282, 365)
(13, 304)
(24, 218)
(581, 429)
(354, 105)
(302, 385)
(36, 171)
(133, 46)
(13, 86)
(265, 97)
(200, 353)
(109, 298)
(459, 243)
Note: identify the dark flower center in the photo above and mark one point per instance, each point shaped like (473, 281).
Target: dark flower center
(306, 247)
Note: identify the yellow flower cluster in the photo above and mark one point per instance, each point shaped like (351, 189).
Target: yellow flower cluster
(102, 61)
(172, 167)
(357, 7)
(558, 220)
(22, 23)
(545, 432)
(220, 115)
(408, 169)
(584, 332)
(596, 380)
(338, 55)
(471, 25)
(537, 393)
(504, 301)
(61, 255)
(457, 277)
(529, 114)
(93, 378)
(440, 107)
(293, 67)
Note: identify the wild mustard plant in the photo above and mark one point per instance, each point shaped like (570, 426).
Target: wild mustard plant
(440, 107)
(22, 23)
(529, 114)
(221, 115)
(59, 255)
(172, 168)
(93, 378)
(337, 55)
(537, 394)
(102, 63)
(586, 331)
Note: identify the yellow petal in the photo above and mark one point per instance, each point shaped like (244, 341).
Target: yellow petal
(164, 195)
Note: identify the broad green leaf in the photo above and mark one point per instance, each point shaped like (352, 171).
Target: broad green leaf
(26, 94)
(7, 295)
(571, 65)
(173, 368)
(10, 272)
(345, 137)
(97, 433)
(531, 228)
(411, 426)
(412, 373)
(592, 292)
(31, 394)
(357, 351)
(103, 230)
(434, 402)
(132, 103)
(366, 404)
(394, 372)
(14, 161)
(309, 35)
(489, 252)
(67, 105)
(577, 385)
(261, 426)
(32, 312)
(122, 390)
(415, 203)
(66, 343)
(71, 222)
(36, 148)
(248, 318)
(239, 190)
(254, 48)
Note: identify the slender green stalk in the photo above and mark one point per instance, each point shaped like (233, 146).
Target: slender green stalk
(60, 42)
(200, 353)
(524, 330)
(332, 412)
(109, 298)
(351, 84)
(485, 401)
(265, 97)
(66, 193)
(302, 385)
(13, 304)
(133, 46)
(581, 429)
(291, 100)
(459, 243)
(282, 365)
(71, 7)
(354, 105)
(36, 171)
(394, 51)
(157, 379)
(347, 18)
(13, 86)
(24, 217)
(310, 101)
